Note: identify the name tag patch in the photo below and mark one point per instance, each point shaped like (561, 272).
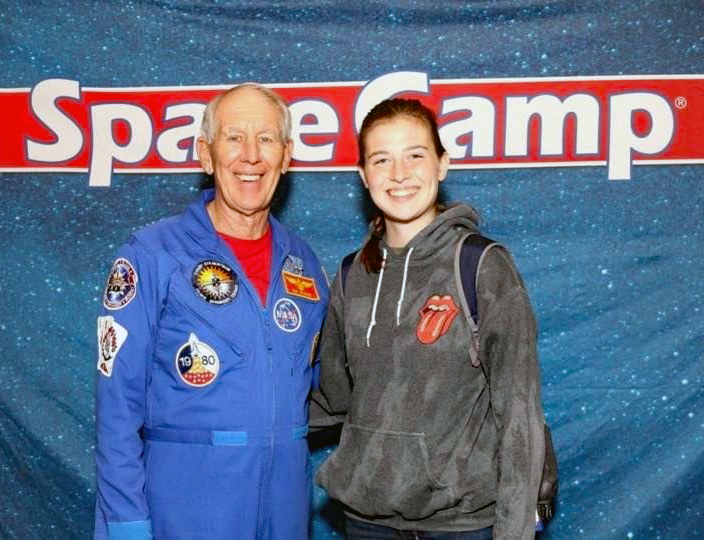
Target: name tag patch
(301, 286)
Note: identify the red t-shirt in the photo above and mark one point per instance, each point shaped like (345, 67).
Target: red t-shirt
(255, 258)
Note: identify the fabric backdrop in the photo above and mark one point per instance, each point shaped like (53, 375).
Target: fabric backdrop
(615, 269)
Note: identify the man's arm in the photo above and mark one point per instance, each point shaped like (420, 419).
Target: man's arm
(125, 345)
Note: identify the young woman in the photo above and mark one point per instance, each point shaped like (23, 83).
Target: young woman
(428, 449)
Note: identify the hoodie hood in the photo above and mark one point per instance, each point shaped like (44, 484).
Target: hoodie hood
(442, 230)
(446, 228)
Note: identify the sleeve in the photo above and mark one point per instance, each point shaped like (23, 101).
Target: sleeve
(126, 329)
(508, 336)
(329, 401)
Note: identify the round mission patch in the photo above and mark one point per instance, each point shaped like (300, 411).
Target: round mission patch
(197, 363)
(215, 282)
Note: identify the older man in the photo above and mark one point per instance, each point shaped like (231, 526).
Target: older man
(205, 344)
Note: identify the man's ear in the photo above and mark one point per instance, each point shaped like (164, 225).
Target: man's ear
(444, 166)
(288, 153)
(206, 160)
(360, 170)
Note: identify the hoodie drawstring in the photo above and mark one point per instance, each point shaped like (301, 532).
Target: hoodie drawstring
(372, 323)
(403, 287)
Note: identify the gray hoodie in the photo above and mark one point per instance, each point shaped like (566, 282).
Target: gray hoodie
(426, 443)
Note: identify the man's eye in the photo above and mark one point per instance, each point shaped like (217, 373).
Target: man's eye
(417, 156)
(266, 139)
(380, 161)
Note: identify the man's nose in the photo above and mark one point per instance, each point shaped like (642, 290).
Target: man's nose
(250, 151)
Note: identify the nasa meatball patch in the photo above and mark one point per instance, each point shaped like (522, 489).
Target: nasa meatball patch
(122, 285)
(287, 315)
(111, 336)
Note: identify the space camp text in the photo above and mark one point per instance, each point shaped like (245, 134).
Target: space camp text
(485, 123)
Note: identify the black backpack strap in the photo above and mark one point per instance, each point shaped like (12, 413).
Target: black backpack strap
(470, 250)
(345, 268)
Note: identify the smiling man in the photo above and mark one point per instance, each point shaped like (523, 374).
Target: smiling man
(205, 343)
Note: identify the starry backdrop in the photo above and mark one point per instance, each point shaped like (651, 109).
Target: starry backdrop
(615, 270)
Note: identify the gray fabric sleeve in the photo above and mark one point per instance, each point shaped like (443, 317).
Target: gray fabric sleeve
(329, 402)
(508, 334)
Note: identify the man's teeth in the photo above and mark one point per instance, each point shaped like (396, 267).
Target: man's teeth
(249, 177)
(402, 192)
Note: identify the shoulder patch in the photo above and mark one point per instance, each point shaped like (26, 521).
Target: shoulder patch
(122, 285)
(111, 336)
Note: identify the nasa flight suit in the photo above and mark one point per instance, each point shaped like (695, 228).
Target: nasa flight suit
(202, 392)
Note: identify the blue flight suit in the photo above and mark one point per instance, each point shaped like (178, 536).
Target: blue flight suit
(202, 392)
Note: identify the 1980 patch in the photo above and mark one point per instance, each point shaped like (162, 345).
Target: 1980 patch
(215, 282)
(122, 285)
(197, 363)
(287, 315)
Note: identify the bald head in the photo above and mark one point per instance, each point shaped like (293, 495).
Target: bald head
(210, 120)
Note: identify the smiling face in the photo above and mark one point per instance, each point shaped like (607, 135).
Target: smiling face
(247, 154)
(402, 172)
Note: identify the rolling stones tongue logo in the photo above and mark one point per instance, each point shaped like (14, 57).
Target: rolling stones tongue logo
(436, 316)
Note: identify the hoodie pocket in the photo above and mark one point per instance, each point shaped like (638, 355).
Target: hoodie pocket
(384, 473)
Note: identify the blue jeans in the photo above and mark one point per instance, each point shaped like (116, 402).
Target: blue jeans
(361, 530)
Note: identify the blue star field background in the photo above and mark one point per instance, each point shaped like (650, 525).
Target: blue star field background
(615, 270)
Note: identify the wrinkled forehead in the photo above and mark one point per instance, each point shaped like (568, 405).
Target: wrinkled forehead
(247, 107)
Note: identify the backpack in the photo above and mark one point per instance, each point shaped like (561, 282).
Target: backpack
(472, 248)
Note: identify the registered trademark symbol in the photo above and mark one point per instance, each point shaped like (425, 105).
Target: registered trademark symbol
(680, 102)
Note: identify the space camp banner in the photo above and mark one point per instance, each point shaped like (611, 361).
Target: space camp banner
(616, 122)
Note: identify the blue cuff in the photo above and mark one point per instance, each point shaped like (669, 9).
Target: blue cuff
(130, 530)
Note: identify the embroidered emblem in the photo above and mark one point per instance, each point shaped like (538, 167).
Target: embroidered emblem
(111, 336)
(436, 316)
(302, 286)
(122, 285)
(314, 350)
(287, 315)
(293, 265)
(215, 282)
(197, 363)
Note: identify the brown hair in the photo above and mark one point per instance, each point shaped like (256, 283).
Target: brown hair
(389, 109)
